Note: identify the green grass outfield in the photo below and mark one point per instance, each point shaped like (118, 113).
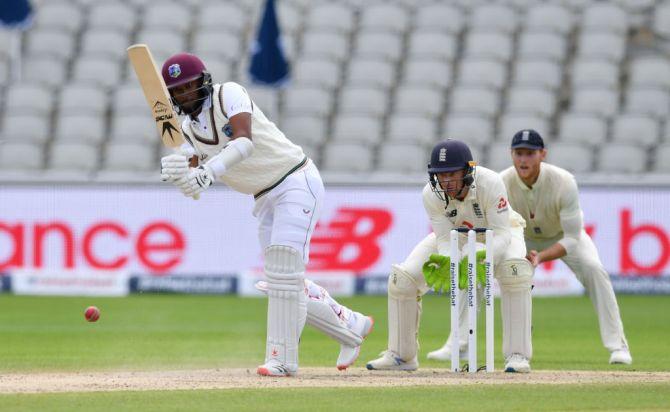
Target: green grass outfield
(167, 332)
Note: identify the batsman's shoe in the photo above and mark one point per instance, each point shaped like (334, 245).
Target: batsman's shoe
(274, 368)
(444, 353)
(621, 357)
(517, 363)
(389, 361)
(349, 354)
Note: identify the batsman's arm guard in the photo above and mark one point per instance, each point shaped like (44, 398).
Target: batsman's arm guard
(236, 151)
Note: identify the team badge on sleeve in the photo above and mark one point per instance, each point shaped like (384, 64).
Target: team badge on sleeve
(174, 70)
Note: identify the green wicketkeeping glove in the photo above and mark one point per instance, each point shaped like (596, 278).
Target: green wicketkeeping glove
(480, 268)
(436, 272)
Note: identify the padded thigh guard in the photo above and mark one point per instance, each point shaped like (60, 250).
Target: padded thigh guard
(285, 272)
(321, 316)
(514, 277)
(404, 310)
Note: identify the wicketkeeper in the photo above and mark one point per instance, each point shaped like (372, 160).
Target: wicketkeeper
(548, 199)
(461, 195)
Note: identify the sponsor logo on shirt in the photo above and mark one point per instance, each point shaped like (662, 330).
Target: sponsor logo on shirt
(478, 210)
(502, 205)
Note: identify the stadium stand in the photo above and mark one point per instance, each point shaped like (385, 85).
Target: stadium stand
(374, 83)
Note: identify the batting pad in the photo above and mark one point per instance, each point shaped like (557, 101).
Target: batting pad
(404, 310)
(285, 270)
(321, 316)
(516, 306)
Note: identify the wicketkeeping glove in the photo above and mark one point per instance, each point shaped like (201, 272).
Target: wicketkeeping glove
(173, 168)
(436, 273)
(480, 270)
(197, 181)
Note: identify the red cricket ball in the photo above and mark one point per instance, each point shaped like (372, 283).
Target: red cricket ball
(92, 314)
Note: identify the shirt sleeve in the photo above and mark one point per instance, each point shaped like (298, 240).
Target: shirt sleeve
(235, 99)
(497, 216)
(572, 220)
(439, 222)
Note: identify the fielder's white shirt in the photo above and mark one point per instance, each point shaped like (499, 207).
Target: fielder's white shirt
(273, 156)
(485, 205)
(551, 207)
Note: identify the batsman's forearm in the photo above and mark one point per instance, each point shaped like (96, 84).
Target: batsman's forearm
(554, 251)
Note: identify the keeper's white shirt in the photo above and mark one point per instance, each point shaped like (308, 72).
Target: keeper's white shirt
(485, 205)
(550, 207)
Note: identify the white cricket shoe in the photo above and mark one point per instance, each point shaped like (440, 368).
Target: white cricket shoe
(444, 353)
(274, 368)
(349, 354)
(517, 363)
(621, 357)
(389, 361)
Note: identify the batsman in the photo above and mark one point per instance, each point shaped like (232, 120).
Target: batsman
(237, 145)
(460, 194)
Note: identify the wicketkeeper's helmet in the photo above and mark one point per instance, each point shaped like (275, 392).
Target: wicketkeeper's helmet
(449, 156)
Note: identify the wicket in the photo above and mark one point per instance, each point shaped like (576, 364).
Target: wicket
(472, 299)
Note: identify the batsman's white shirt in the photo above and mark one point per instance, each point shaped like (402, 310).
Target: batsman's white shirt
(274, 156)
(485, 205)
(286, 185)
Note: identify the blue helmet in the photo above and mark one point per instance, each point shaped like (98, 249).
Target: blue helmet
(449, 156)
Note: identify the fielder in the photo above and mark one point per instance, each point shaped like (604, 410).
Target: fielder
(461, 195)
(547, 198)
(218, 123)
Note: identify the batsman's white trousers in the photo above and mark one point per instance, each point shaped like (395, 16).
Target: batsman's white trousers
(288, 213)
(586, 265)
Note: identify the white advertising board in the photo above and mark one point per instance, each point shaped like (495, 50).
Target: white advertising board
(155, 231)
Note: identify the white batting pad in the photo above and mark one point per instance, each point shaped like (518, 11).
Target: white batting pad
(285, 270)
(321, 316)
(404, 310)
(514, 278)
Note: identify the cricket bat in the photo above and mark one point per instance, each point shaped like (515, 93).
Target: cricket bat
(156, 94)
(158, 97)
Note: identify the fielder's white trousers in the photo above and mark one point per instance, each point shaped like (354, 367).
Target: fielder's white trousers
(587, 267)
(288, 213)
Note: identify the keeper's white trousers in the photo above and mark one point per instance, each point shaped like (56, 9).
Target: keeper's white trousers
(288, 213)
(587, 267)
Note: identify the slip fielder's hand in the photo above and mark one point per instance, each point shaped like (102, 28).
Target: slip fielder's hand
(197, 181)
(436, 273)
(480, 270)
(173, 168)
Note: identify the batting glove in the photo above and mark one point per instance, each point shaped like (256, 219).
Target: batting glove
(480, 270)
(173, 168)
(436, 273)
(197, 181)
